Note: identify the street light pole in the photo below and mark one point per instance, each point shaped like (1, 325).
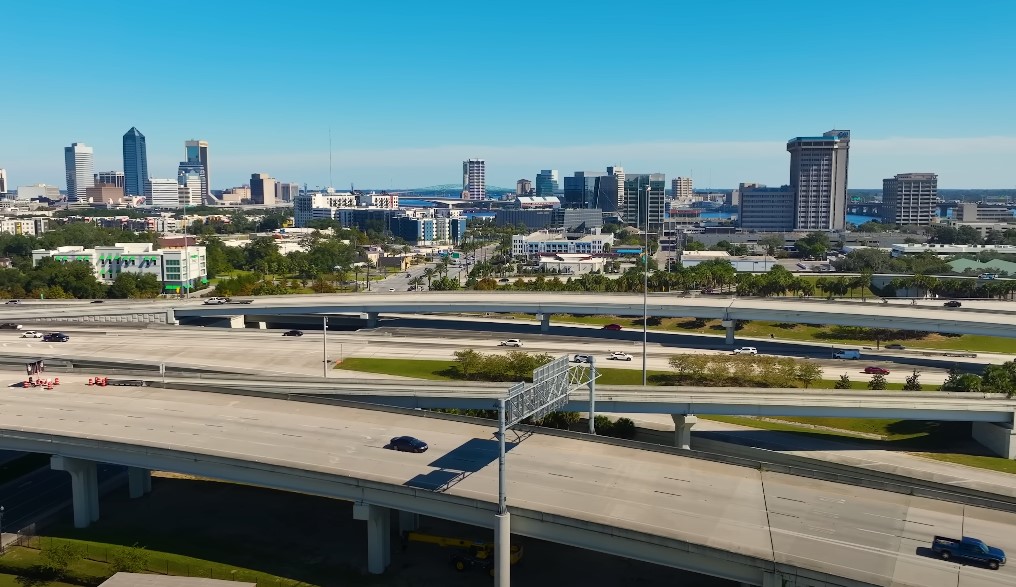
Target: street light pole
(324, 345)
(645, 290)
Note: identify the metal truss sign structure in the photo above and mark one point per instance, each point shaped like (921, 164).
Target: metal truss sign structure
(549, 391)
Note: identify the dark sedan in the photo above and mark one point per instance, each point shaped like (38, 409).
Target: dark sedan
(876, 370)
(407, 444)
(952, 304)
(55, 337)
(611, 327)
(293, 333)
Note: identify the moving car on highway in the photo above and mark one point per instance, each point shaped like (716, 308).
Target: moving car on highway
(847, 354)
(215, 301)
(10, 326)
(872, 370)
(293, 333)
(968, 549)
(514, 342)
(31, 334)
(55, 337)
(895, 347)
(618, 356)
(12, 302)
(952, 304)
(746, 350)
(407, 444)
(583, 358)
(611, 327)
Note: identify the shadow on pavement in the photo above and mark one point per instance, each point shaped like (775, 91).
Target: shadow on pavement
(459, 463)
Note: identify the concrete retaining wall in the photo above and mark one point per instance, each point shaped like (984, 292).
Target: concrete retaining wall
(127, 318)
(998, 438)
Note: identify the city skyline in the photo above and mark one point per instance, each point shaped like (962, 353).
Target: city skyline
(721, 105)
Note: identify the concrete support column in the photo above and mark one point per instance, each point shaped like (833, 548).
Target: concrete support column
(777, 579)
(408, 522)
(236, 322)
(84, 488)
(139, 481)
(379, 539)
(372, 319)
(730, 325)
(544, 322)
(171, 318)
(682, 429)
(999, 438)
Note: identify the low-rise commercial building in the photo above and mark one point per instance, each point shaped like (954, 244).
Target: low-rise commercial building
(25, 226)
(983, 228)
(569, 264)
(178, 269)
(898, 250)
(542, 242)
(976, 212)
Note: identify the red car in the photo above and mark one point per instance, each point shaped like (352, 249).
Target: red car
(876, 370)
(611, 327)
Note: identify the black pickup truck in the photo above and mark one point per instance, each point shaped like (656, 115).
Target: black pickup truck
(968, 549)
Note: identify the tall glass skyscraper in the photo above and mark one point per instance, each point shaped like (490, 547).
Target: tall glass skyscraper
(135, 162)
(197, 152)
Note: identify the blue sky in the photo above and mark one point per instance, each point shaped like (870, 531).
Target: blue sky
(410, 89)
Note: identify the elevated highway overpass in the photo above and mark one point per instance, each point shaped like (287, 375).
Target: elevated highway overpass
(987, 318)
(753, 526)
(992, 415)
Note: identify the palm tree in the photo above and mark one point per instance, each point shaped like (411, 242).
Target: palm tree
(429, 273)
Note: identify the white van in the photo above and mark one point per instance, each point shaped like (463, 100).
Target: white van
(847, 354)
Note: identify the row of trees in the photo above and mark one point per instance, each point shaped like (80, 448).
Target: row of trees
(996, 379)
(744, 370)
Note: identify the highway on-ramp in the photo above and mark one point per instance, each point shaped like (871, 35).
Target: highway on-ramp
(870, 536)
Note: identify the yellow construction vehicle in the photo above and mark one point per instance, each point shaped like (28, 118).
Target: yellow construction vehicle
(478, 554)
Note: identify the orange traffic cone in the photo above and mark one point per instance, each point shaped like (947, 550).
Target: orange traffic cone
(91, 381)
(56, 381)
(49, 385)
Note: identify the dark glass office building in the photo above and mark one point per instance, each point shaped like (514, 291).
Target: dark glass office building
(135, 162)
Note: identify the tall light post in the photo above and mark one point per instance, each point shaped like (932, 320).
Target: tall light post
(645, 290)
(1, 528)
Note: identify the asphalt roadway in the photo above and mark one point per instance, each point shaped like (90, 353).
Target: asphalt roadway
(268, 352)
(869, 535)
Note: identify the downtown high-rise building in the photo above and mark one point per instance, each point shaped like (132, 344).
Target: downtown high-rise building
(262, 189)
(909, 199)
(192, 174)
(474, 179)
(135, 162)
(644, 205)
(113, 178)
(286, 192)
(617, 172)
(79, 168)
(547, 182)
(818, 176)
(162, 193)
(3, 181)
(197, 152)
(523, 187)
(681, 188)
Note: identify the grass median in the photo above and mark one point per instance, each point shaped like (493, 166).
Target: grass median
(793, 332)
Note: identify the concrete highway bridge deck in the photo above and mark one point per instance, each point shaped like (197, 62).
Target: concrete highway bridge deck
(987, 318)
(736, 522)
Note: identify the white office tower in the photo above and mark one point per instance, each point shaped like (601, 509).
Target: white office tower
(474, 179)
(818, 176)
(162, 193)
(80, 172)
(909, 199)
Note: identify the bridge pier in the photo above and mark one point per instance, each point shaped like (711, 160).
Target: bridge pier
(682, 429)
(84, 488)
(372, 319)
(730, 325)
(139, 482)
(999, 438)
(408, 522)
(544, 322)
(379, 539)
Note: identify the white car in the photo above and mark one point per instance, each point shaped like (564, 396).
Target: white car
(583, 359)
(31, 334)
(391, 289)
(215, 301)
(511, 342)
(619, 356)
(746, 350)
